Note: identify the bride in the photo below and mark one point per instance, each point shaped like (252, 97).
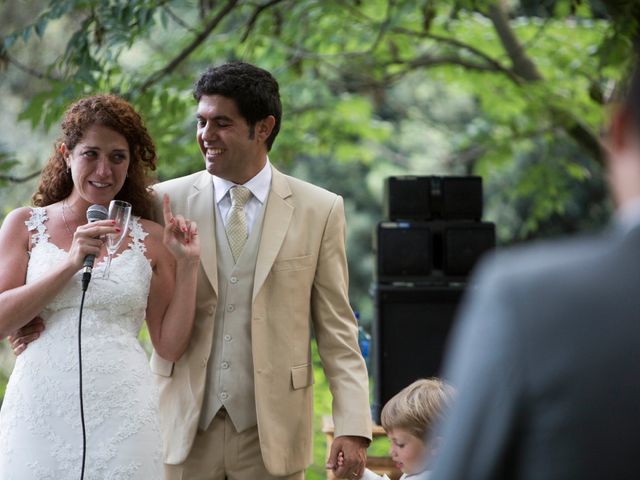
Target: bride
(105, 152)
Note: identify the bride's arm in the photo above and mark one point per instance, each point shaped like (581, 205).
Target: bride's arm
(172, 296)
(20, 303)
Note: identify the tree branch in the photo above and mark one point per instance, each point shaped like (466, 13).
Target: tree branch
(522, 64)
(383, 26)
(188, 50)
(177, 19)
(14, 179)
(497, 66)
(524, 67)
(28, 70)
(256, 13)
(428, 61)
(584, 137)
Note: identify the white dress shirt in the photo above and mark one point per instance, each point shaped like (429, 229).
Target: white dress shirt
(259, 186)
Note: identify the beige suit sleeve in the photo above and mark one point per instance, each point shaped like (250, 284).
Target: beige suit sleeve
(337, 332)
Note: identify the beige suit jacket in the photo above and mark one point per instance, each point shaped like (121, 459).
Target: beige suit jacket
(300, 283)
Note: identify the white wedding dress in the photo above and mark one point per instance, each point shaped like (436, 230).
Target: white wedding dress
(40, 429)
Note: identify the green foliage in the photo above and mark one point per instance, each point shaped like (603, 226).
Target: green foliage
(3, 385)
(337, 62)
(321, 406)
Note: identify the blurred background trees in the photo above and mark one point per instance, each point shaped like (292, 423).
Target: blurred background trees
(511, 90)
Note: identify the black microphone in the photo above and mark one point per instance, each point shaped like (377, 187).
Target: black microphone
(94, 214)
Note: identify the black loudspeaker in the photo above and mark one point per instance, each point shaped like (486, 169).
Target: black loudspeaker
(404, 251)
(407, 198)
(433, 198)
(463, 243)
(409, 334)
(461, 198)
(433, 252)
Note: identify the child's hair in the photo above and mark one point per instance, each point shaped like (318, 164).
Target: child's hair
(418, 407)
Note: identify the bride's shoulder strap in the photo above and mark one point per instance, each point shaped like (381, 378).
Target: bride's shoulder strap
(137, 234)
(36, 224)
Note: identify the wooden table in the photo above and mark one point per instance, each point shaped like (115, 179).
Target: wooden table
(380, 465)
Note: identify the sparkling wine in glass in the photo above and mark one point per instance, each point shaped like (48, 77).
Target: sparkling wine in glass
(120, 211)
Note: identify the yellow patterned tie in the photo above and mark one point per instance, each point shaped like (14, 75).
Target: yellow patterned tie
(237, 220)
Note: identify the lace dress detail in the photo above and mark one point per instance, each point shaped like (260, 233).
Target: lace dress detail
(40, 430)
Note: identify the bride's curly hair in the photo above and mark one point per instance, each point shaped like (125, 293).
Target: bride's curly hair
(117, 114)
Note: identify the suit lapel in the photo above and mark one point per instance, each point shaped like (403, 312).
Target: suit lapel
(200, 205)
(277, 217)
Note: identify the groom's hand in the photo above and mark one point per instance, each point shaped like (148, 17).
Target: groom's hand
(351, 463)
(25, 335)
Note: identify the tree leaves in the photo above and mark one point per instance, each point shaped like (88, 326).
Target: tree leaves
(342, 65)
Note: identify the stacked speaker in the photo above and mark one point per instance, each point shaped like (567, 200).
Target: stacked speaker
(426, 247)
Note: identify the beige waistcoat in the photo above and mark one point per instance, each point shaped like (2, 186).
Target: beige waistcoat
(230, 381)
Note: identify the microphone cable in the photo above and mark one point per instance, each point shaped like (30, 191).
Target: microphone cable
(94, 213)
(84, 432)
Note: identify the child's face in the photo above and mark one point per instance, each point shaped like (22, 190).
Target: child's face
(407, 451)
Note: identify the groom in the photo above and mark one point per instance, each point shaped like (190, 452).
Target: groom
(238, 404)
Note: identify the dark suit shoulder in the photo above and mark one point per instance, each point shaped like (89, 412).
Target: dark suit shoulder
(547, 259)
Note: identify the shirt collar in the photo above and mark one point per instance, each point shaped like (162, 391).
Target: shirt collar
(259, 185)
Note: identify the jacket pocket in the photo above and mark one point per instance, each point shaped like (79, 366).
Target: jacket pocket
(294, 263)
(160, 366)
(302, 376)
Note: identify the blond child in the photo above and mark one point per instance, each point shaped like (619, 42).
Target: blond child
(408, 419)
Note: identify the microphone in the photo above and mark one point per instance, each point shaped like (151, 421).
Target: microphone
(94, 214)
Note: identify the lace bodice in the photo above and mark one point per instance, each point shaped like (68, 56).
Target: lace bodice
(124, 300)
(40, 435)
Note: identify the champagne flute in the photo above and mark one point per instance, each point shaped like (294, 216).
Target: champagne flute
(120, 211)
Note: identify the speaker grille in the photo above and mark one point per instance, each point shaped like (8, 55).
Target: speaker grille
(410, 333)
(404, 251)
(464, 244)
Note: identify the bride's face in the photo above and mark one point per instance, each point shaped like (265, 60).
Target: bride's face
(99, 164)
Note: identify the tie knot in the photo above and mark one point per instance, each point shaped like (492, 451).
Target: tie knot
(239, 196)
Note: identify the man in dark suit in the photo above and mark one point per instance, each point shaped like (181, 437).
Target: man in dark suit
(546, 353)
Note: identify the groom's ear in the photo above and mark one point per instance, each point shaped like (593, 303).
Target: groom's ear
(264, 127)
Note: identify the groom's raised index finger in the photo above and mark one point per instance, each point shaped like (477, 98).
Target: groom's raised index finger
(166, 210)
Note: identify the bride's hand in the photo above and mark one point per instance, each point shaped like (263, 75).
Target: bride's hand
(180, 234)
(87, 240)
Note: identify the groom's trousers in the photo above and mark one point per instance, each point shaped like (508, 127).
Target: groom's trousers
(221, 453)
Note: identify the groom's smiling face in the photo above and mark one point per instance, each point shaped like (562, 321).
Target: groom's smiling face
(230, 146)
